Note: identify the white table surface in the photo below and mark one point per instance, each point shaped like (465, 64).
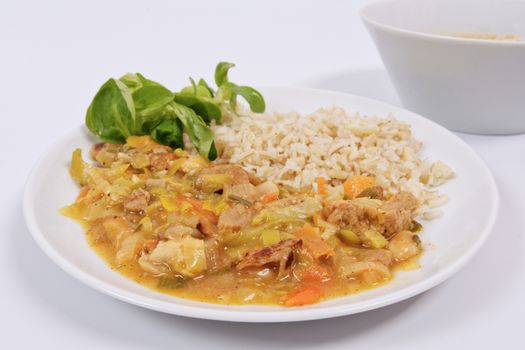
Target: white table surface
(53, 57)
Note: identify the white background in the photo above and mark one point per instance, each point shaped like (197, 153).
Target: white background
(53, 57)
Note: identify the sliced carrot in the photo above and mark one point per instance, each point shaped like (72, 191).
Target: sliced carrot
(302, 296)
(198, 209)
(308, 231)
(315, 274)
(208, 215)
(321, 186)
(313, 242)
(270, 197)
(354, 185)
(195, 202)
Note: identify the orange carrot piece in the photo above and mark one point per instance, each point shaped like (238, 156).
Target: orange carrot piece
(194, 202)
(270, 197)
(354, 185)
(208, 215)
(198, 209)
(321, 186)
(302, 296)
(313, 242)
(315, 274)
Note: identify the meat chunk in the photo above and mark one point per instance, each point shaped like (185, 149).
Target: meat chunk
(398, 212)
(352, 214)
(138, 200)
(161, 161)
(280, 255)
(396, 220)
(387, 218)
(234, 218)
(401, 201)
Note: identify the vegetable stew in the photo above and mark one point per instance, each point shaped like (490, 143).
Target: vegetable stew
(182, 225)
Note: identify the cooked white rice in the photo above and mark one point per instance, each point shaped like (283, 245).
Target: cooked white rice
(294, 150)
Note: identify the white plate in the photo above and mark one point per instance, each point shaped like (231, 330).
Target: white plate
(468, 220)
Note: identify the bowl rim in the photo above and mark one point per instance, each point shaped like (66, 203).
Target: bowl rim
(366, 18)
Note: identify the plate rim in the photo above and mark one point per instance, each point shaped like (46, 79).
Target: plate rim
(275, 316)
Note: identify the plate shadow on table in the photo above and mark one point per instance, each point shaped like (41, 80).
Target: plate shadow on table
(372, 83)
(110, 320)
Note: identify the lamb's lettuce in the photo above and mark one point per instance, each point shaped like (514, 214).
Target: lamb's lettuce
(136, 105)
(112, 116)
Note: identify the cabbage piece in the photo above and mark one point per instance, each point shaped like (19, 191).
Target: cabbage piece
(128, 248)
(117, 229)
(78, 167)
(186, 257)
(194, 256)
(302, 210)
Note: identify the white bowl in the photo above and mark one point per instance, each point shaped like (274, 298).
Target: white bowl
(467, 85)
(451, 241)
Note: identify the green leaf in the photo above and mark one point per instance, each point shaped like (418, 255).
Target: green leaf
(203, 107)
(136, 80)
(150, 99)
(213, 152)
(193, 85)
(221, 72)
(252, 96)
(199, 133)
(135, 105)
(169, 132)
(147, 82)
(197, 90)
(111, 115)
(204, 84)
(132, 81)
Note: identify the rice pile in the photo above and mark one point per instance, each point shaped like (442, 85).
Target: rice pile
(294, 150)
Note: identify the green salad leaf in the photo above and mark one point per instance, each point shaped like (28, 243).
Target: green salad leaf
(169, 132)
(136, 80)
(135, 105)
(111, 115)
(221, 72)
(252, 96)
(199, 133)
(204, 84)
(205, 107)
(149, 100)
